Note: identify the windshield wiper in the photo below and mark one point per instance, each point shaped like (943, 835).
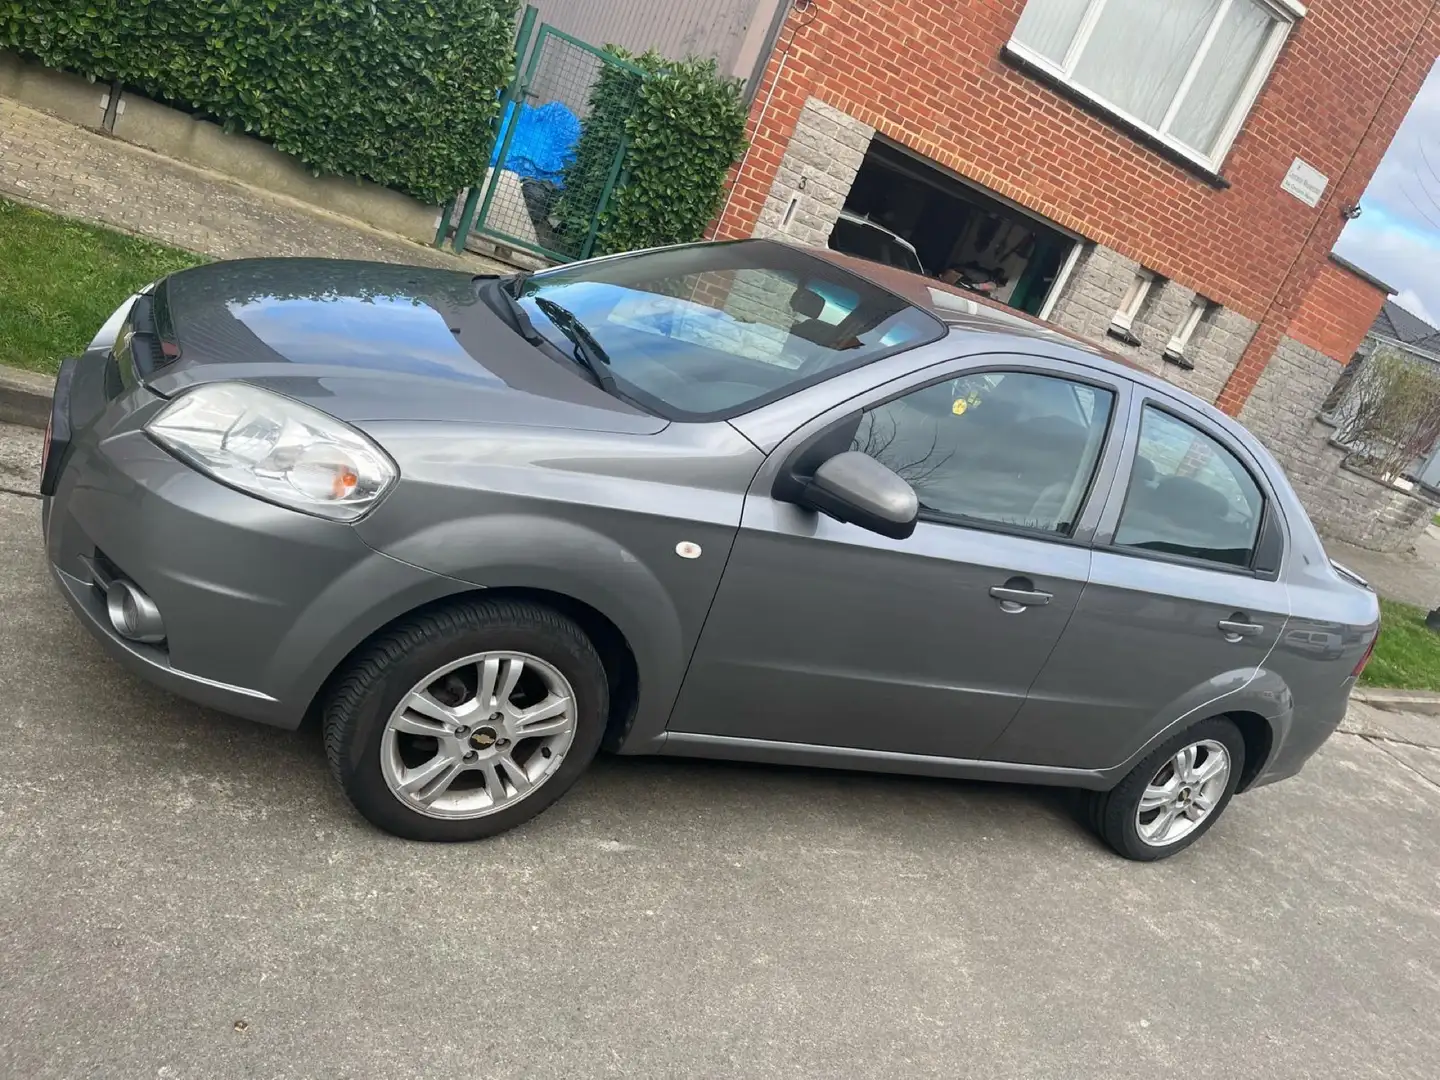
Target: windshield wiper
(507, 305)
(589, 353)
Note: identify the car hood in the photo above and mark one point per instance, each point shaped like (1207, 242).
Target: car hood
(372, 341)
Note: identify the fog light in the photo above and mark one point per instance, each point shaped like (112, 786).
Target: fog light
(133, 614)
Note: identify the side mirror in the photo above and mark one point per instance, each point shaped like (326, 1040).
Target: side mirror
(855, 488)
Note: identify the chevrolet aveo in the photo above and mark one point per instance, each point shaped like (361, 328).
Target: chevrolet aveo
(732, 500)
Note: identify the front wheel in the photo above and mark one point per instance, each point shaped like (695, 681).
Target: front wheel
(1175, 795)
(467, 721)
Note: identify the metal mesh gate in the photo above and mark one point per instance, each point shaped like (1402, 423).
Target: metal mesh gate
(560, 149)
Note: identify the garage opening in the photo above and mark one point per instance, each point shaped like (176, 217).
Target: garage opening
(957, 232)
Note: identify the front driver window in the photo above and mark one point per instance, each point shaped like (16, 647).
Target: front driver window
(1004, 447)
(1189, 496)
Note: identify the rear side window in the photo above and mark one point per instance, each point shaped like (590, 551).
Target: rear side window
(1000, 447)
(1189, 496)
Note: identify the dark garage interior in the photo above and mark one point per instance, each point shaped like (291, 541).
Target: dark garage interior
(959, 231)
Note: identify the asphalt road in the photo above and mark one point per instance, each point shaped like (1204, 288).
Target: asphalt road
(183, 895)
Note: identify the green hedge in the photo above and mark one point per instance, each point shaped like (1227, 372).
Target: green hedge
(401, 92)
(686, 126)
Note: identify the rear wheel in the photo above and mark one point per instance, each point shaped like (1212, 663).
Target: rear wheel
(1175, 795)
(467, 721)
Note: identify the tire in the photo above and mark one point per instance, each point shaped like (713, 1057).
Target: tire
(1116, 814)
(370, 755)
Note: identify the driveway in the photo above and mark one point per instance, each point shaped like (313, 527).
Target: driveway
(183, 895)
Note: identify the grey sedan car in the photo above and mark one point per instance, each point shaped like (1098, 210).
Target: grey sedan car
(735, 500)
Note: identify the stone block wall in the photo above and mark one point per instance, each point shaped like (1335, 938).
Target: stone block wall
(819, 165)
(1097, 288)
(1342, 503)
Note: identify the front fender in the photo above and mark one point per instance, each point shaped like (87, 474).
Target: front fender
(660, 619)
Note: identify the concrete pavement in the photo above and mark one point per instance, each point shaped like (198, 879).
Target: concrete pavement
(183, 895)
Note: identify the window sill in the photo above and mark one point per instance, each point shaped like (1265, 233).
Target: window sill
(1102, 112)
(1170, 356)
(1119, 333)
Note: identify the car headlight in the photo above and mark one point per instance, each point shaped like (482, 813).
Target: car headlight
(275, 449)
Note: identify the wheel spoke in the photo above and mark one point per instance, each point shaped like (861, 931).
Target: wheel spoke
(509, 678)
(1185, 763)
(418, 781)
(552, 706)
(421, 702)
(1156, 797)
(1215, 764)
(519, 779)
(544, 729)
(489, 674)
(495, 783)
(413, 723)
(1203, 802)
(1162, 823)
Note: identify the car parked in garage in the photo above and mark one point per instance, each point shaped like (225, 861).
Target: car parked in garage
(733, 500)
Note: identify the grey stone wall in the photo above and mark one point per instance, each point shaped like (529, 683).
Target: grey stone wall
(1282, 411)
(819, 165)
(1097, 287)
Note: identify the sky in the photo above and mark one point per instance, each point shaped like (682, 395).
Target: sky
(1397, 238)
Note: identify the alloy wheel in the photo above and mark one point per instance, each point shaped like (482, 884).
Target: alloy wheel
(1183, 793)
(478, 735)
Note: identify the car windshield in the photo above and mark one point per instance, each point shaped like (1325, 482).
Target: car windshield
(711, 331)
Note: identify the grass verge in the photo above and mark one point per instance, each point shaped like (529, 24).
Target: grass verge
(60, 279)
(1407, 656)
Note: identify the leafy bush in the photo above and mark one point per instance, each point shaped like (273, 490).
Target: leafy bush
(401, 92)
(1390, 415)
(686, 126)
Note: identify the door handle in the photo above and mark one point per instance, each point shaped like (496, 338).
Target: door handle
(1235, 630)
(1017, 594)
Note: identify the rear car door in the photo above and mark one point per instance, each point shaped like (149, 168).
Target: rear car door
(825, 634)
(1183, 605)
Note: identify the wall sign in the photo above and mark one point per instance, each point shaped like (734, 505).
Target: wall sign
(1305, 182)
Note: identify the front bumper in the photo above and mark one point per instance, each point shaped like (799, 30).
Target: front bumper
(260, 603)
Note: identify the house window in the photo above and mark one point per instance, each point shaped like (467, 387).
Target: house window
(1187, 71)
(1175, 351)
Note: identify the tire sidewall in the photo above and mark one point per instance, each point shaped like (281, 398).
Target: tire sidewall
(361, 738)
(1118, 824)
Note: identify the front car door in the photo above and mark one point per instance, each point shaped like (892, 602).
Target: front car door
(1184, 602)
(824, 634)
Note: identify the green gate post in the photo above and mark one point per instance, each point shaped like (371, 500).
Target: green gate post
(514, 93)
(610, 183)
(443, 227)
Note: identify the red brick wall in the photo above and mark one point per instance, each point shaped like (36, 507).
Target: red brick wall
(1337, 312)
(929, 74)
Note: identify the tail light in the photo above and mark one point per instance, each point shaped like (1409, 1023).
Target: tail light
(1365, 659)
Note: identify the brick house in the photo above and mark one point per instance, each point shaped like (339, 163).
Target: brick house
(1165, 179)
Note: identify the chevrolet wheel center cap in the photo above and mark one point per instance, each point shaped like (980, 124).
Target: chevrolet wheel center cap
(484, 738)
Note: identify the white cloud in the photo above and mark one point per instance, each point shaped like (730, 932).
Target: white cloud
(1398, 253)
(1410, 300)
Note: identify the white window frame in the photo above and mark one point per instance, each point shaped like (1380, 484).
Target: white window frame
(1287, 13)
(1124, 317)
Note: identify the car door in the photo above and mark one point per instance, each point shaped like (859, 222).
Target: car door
(825, 634)
(1183, 605)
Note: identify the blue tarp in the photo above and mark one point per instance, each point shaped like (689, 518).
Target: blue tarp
(545, 137)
